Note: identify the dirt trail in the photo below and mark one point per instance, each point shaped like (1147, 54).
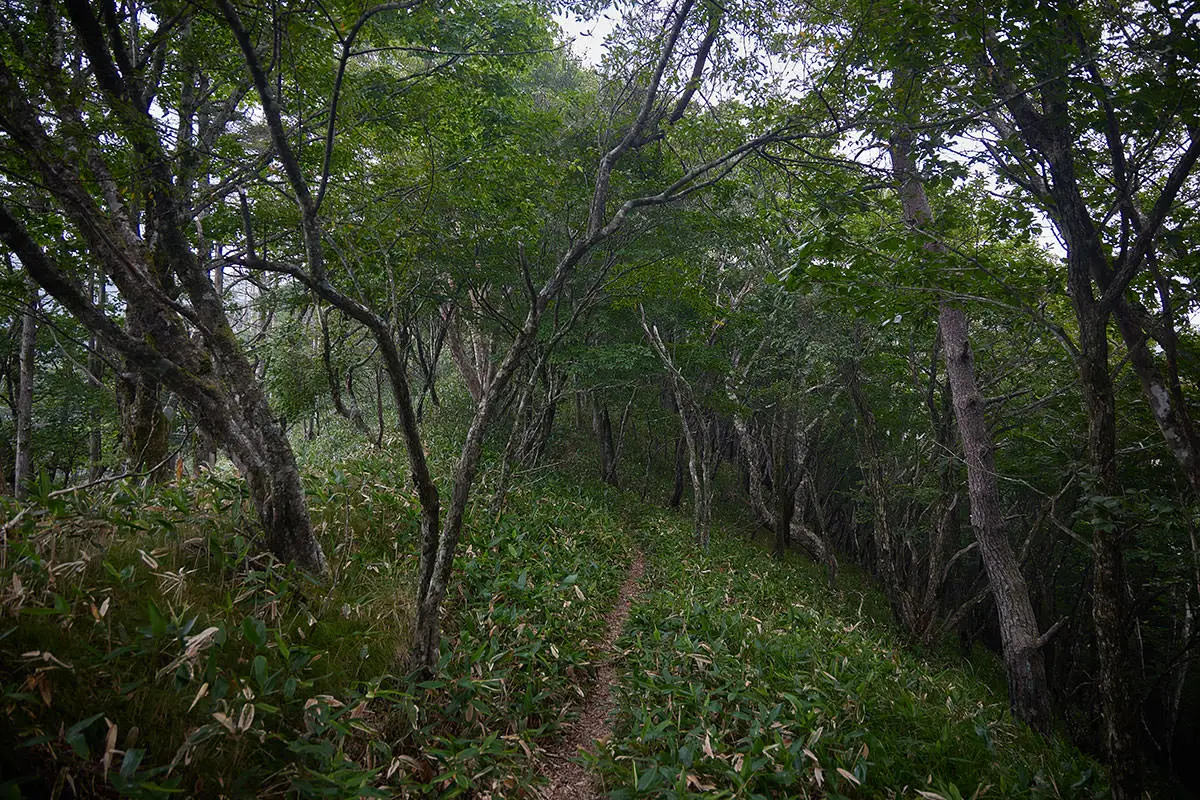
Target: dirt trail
(568, 779)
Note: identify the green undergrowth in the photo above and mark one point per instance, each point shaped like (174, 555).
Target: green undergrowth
(745, 677)
(148, 648)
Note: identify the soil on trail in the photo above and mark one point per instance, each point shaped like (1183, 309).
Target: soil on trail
(568, 779)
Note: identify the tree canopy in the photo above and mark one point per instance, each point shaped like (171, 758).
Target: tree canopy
(909, 285)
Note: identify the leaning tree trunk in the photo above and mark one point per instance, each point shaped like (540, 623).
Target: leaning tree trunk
(1164, 394)
(1028, 692)
(210, 372)
(699, 433)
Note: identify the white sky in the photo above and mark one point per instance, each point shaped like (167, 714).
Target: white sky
(587, 36)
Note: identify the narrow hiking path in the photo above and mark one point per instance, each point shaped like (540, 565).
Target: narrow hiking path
(568, 779)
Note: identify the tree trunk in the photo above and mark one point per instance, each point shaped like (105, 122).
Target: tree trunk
(1110, 615)
(700, 435)
(95, 370)
(216, 383)
(1163, 394)
(5, 457)
(1028, 692)
(755, 474)
(676, 498)
(188, 343)
(875, 477)
(143, 426)
(602, 426)
(783, 486)
(345, 405)
(471, 351)
(22, 472)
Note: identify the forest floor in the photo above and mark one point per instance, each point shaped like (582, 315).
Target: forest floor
(568, 778)
(722, 672)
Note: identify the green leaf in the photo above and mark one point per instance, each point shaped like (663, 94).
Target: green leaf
(130, 762)
(75, 736)
(158, 623)
(255, 631)
(260, 672)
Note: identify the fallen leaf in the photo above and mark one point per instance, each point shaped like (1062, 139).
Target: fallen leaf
(110, 745)
(849, 776)
(199, 695)
(246, 718)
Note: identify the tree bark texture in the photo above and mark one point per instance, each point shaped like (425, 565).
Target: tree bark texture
(680, 467)
(1164, 392)
(346, 405)
(95, 371)
(699, 434)
(144, 428)
(471, 350)
(1028, 692)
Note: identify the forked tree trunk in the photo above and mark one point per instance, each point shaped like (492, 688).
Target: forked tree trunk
(699, 433)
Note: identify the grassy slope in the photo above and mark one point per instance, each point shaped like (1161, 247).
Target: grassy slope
(745, 677)
(741, 674)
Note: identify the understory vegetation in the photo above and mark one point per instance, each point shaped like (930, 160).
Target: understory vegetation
(148, 648)
(351, 352)
(747, 677)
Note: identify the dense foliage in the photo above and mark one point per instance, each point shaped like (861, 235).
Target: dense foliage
(314, 318)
